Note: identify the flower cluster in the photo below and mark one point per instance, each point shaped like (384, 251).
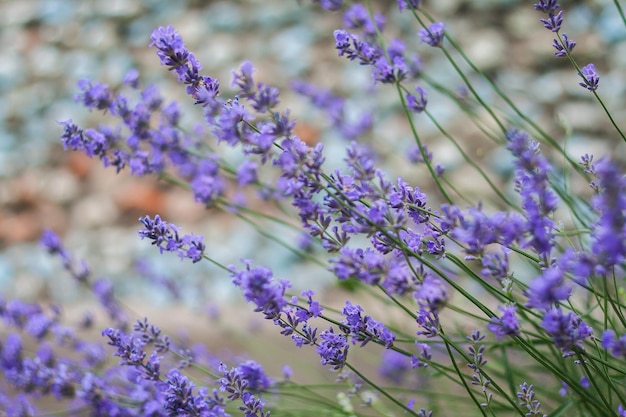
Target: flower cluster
(535, 261)
(165, 236)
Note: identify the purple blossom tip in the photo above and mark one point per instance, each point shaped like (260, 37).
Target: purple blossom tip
(507, 324)
(553, 22)
(433, 36)
(547, 6)
(563, 48)
(591, 79)
(408, 4)
(51, 241)
(417, 104)
(166, 237)
(330, 4)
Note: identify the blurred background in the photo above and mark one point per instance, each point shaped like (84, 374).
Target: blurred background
(48, 45)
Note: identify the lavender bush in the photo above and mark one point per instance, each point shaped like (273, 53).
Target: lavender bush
(510, 303)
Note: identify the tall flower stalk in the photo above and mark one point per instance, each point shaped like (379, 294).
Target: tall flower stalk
(536, 280)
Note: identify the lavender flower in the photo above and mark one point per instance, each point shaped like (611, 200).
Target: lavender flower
(548, 289)
(590, 77)
(414, 154)
(247, 173)
(330, 4)
(567, 46)
(526, 396)
(256, 378)
(260, 288)
(394, 366)
(538, 200)
(265, 99)
(165, 236)
(404, 242)
(333, 349)
(151, 335)
(366, 265)
(507, 325)
(480, 230)
(433, 36)
(11, 352)
(417, 104)
(615, 345)
(431, 294)
(553, 22)
(477, 362)
(95, 95)
(129, 348)
(428, 320)
(423, 357)
(363, 328)
(243, 79)
(390, 72)
(567, 330)
(408, 4)
(18, 407)
(357, 17)
(495, 265)
(180, 398)
(174, 54)
(609, 245)
(352, 47)
(52, 243)
(547, 6)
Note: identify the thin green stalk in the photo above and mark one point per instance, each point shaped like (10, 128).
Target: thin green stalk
(274, 238)
(594, 92)
(420, 146)
(620, 11)
(508, 101)
(462, 379)
(592, 380)
(461, 74)
(471, 161)
(381, 390)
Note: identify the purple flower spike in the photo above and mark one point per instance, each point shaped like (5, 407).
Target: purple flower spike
(568, 330)
(357, 16)
(52, 242)
(526, 396)
(243, 79)
(94, 95)
(433, 36)
(431, 294)
(259, 287)
(547, 6)
(553, 22)
(330, 4)
(417, 104)
(352, 47)
(617, 346)
(560, 50)
(394, 366)
(333, 349)
(507, 325)
(590, 77)
(363, 328)
(609, 245)
(548, 289)
(408, 4)
(165, 236)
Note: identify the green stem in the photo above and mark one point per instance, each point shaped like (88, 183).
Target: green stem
(620, 11)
